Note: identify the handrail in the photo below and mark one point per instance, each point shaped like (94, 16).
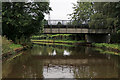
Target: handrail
(68, 24)
(62, 22)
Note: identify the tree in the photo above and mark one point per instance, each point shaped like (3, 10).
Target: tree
(20, 18)
(110, 12)
(82, 12)
(59, 23)
(97, 14)
(98, 20)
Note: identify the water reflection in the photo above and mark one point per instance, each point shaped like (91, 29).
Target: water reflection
(45, 61)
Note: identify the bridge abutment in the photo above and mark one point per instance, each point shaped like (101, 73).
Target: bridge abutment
(98, 38)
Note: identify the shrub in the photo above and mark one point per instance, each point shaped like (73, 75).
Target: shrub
(23, 41)
(115, 38)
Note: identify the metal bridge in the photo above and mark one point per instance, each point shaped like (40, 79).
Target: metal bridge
(70, 26)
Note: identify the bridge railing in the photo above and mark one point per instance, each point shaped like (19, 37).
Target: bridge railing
(64, 24)
(58, 22)
(70, 24)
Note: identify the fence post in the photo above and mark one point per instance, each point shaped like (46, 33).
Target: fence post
(50, 27)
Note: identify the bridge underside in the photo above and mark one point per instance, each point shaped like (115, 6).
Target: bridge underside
(91, 35)
(98, 38)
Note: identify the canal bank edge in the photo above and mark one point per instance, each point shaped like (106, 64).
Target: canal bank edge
(111, 47)
(63, 42)
(16, 52)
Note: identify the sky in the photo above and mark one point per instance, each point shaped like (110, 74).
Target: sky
(61, 9)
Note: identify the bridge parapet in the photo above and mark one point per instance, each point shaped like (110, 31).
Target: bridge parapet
(59, 22)
(76, 30)
(71, 26)
(64, 24)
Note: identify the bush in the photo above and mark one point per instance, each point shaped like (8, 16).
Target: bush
(23, 41)
(115, 38)
(118, 33)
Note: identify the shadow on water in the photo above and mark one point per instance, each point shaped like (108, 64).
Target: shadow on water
(46, 61)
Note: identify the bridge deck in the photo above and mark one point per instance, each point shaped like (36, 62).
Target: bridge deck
(76, 30)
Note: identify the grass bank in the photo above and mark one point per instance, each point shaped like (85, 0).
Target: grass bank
(108, 48)
(112, 46)
(59, 41)
(12, 51)
(9, 48)
(102, 51)
(15, 46)
(104, 48)
(57, 44)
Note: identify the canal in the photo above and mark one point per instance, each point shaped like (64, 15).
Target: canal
(53, 61)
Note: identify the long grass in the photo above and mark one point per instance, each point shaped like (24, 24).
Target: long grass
(14, 46)
(106, 51)
(58, 41)
(114, 46)
(54, 44)
(8, 45)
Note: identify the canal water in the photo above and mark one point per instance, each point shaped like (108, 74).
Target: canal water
(54, 61)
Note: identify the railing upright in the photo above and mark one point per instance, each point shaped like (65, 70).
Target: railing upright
(50, 26)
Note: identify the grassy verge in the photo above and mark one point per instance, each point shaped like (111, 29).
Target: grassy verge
(8, 46)
(15, 46)
(70, 41)
(51, 35)
(11, 48)
(106, 51)
(113, 46)
(54, 44)
(58, 41)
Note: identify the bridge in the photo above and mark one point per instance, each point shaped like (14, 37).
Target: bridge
(75, 27)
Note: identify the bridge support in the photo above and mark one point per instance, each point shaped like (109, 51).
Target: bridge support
(98, 38)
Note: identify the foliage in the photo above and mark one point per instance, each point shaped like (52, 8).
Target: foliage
(60, 37)
(97, 21)
(25, 42)
(114, 46)
(106, 51)
(21, 18)
(98, 14)
(115, 37)
(59, 41)
(14, 46)
(110, 12)
(51, 36)
(82, 12)
(59, 23)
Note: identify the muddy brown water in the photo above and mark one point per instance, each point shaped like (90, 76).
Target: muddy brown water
(46, 61)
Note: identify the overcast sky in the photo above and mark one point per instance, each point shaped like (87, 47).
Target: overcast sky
(60, 9)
